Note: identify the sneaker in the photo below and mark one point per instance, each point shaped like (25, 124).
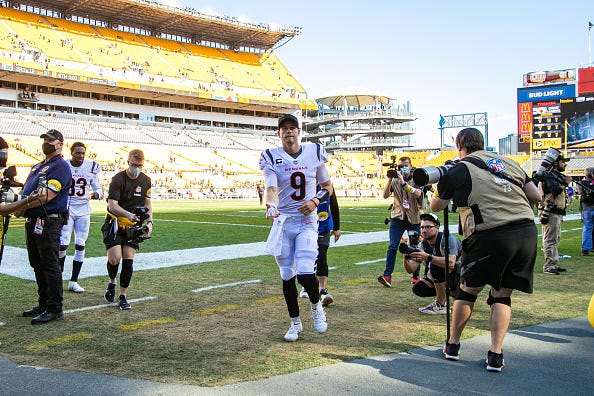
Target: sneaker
(414, 279)
(326, 299)
(559, 269)
(123, 303)
(319, 318)
(293, 333)
(75, 287)
(451, 351)
(110, 292)
(495, 361)
(585, 252)
(551, 271)
(385, 280)
(434, 308)
(303, 293)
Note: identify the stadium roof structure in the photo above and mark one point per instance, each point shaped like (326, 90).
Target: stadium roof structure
(354, 97)
(186, 22)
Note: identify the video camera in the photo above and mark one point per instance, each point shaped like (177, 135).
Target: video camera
(6, 183)
(413, 241)
(137, 233)
(432, 174)
(392, 167)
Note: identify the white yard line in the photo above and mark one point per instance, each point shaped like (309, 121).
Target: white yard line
(134, 300)
(226, 285)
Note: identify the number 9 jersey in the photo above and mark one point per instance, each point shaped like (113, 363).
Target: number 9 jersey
(295, 177)
(85, 179)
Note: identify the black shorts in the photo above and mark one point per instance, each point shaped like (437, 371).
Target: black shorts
(438, 274)
(503, 257)
(119, 239)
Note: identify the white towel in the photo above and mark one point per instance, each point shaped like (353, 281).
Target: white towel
(274, 243)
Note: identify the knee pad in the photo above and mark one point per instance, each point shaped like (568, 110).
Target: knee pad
(462, 295)
(126, 274)
(498, 300)
(79, 253)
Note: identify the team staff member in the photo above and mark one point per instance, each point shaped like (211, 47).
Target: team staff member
(45, 217)
(291, 175)
(85, 176)
(494, 198)
(128, 190)
(404, 216)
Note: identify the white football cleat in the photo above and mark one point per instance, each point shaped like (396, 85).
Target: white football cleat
(75, 287)
(303, 293)
(319, 318)
(293, 333)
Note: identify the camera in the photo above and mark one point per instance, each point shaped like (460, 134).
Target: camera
(392, 167)
(6, 183)
(137, 233)
(413, 241)
(546, 212)
(431, 174)
(550, 156)
(387, 220)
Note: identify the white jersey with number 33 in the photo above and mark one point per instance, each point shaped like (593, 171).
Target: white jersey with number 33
(296, 178)
(85, 180)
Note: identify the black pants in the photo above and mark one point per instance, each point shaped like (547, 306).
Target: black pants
(43, 251)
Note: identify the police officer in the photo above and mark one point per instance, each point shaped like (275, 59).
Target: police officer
(45, 217)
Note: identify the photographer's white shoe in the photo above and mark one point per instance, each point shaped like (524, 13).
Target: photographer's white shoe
(75, 287)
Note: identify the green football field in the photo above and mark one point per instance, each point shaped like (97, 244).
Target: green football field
(222, 321)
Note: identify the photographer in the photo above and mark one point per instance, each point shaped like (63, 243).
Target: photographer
(586, 189)
(404, 215)
(551, 210)
(45, 217)
(432, 253)
(10, 202)
(128, 191)
(494, 198)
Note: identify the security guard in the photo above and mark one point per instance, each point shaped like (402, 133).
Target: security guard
(45, 217)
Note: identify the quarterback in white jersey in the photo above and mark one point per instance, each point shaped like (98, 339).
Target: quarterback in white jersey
(291, 175)
(85, 186)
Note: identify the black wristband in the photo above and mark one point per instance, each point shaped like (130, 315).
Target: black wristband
(429, 258)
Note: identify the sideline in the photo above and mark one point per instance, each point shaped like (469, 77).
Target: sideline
(15, 262)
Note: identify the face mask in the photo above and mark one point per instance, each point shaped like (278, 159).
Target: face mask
(405, 171)
(3, 159)
(48, 148)
(134, 171)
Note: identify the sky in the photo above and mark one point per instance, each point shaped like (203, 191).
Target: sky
(444, 57)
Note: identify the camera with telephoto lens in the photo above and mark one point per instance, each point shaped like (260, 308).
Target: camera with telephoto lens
(550, 156)
(413, 241)
(6, 183)
(137, 233)
(431, 174)
(546, 212)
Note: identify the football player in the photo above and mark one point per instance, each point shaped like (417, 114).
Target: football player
(85, 177)
(291, 174)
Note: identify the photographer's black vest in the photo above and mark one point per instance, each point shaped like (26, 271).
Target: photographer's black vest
(493, 200)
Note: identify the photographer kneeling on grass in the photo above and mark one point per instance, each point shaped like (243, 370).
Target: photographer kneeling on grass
(432, 253)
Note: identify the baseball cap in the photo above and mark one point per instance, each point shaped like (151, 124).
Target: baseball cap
(562, 158)
(430, 217)
(289, 117)
(53, 134)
